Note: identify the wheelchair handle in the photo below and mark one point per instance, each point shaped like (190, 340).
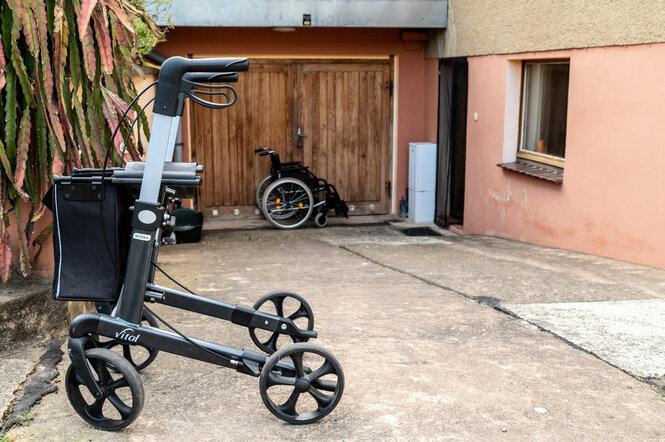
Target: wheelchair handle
(173, 70)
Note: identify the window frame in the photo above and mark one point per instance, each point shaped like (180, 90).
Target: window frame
(528, 155)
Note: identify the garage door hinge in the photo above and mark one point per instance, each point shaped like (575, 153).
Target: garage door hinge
(389, 189)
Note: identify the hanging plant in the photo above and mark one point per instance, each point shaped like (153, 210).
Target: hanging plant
(65, 78)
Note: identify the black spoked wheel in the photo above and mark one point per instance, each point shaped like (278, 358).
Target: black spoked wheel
(287, 203)
(122, 400)
(301, 383)
(140, 357)
(260, 190)
(287, 305)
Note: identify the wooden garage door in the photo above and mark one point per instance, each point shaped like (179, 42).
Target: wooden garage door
(343, 108)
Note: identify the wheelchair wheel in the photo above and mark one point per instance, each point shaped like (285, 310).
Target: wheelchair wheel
(122, 388)
(260, 190)
(287, 203)
(321, 219)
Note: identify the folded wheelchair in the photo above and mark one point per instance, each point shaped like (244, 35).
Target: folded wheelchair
(107, 228)
(289, 195)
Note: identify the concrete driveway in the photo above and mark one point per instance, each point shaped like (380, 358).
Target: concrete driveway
(440, 338)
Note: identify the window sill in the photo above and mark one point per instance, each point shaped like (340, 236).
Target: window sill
(550, 175)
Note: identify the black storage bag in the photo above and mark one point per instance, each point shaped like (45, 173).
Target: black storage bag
(84, 271)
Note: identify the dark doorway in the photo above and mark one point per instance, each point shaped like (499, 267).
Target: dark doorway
(453, 90)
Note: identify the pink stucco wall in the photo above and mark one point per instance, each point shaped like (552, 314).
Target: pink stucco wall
(612, 200)
(417, 83)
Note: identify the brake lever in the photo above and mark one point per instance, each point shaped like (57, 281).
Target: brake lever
(229, 102)
(224, 94)
(187, 90)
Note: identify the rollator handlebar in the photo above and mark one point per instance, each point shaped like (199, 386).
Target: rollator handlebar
(174, 69)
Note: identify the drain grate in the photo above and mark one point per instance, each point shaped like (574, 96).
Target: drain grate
(420, 231)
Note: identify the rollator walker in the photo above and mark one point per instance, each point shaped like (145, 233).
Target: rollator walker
(129, 204)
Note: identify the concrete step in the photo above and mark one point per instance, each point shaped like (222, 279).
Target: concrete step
(28, 313)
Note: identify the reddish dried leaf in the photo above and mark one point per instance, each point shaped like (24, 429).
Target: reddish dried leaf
(39, 10)
(87, 6)
(96, 132)
(65, 123)
(30, 31)
(57, 166)
(109, 111)
(116, 106)
(51, 112)
(103, 41)
(89, 59)
(120, 35)
(22, 149)
(23, 19)
(58, 17)
(118, 11)
(133, 151)
(19, 64)
(4, 161)
(56, 123)
(60, 41)
(3, 63)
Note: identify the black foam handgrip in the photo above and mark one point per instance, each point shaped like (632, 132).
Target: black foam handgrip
(174, 68)
(205, 65)
(207, 77)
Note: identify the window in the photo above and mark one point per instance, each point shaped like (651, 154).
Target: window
(544, 112)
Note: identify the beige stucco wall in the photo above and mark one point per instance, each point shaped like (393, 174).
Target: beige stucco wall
(480, 27)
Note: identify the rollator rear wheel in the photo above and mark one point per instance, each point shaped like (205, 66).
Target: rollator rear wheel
(123, 396)
(287, 305)
(301, 383)
(260, 190)
(287, 203)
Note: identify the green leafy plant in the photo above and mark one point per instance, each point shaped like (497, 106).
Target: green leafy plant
(65, 78)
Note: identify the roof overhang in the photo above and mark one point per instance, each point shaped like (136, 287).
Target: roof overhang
(423, 14)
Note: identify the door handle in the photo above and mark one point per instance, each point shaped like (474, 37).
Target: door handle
(300, 137)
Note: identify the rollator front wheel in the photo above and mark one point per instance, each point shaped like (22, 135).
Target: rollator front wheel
(287, 305)
(301, 383)
(287, 203)
(122, 388)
